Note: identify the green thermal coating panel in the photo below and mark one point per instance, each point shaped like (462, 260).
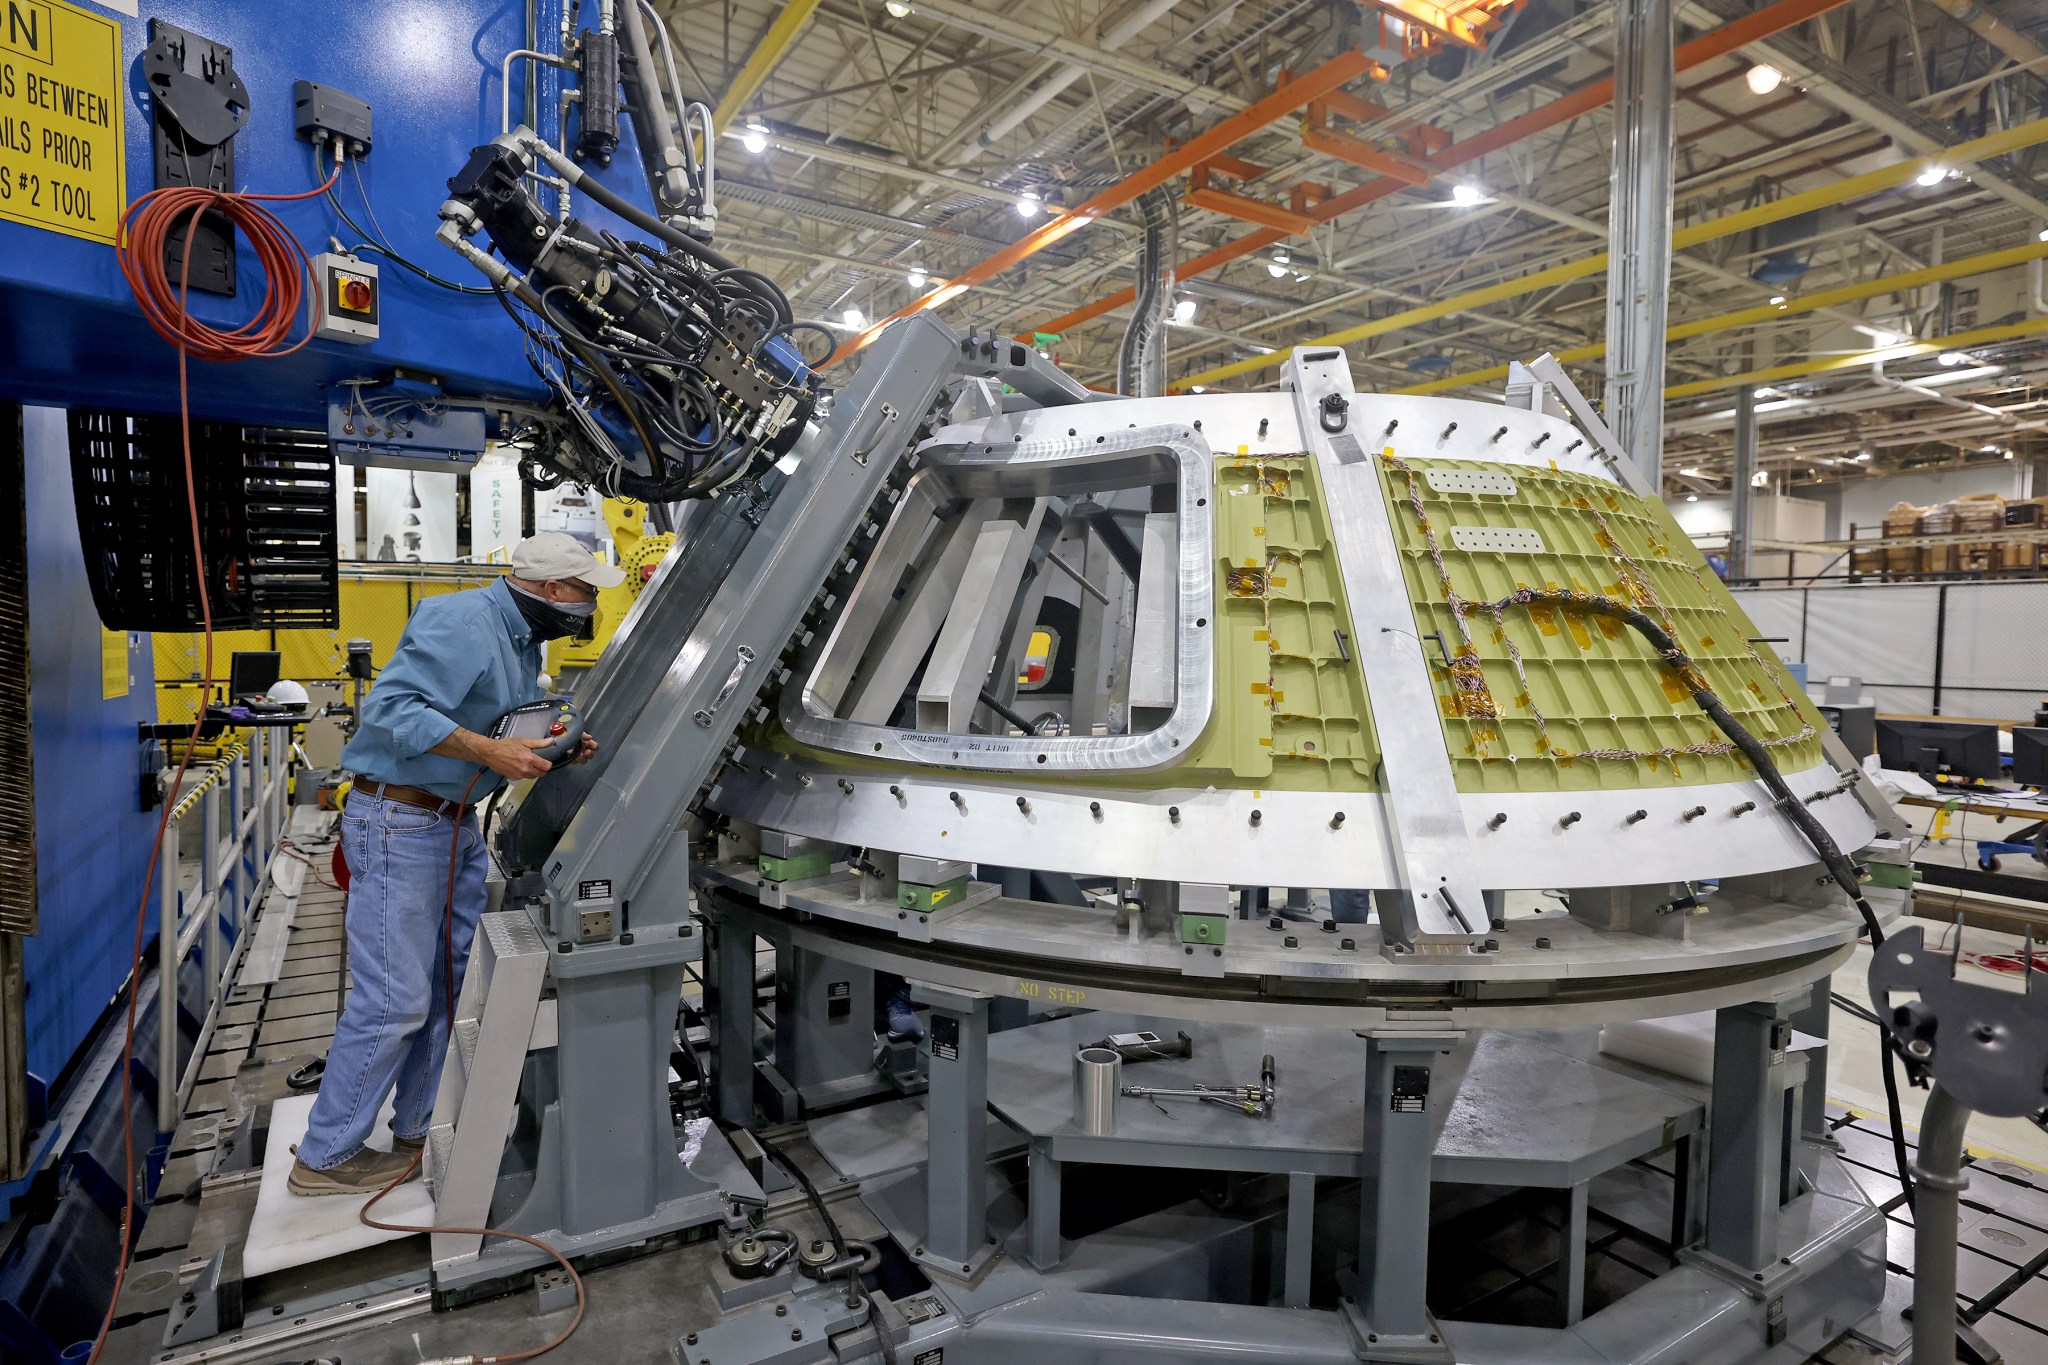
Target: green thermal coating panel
(1203, 928)
(1290, 708)
(797, 868)
(1590, 706)
(925, 899)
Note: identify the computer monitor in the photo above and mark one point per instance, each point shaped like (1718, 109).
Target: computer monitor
(2030, 755)
(1935, 747)
(252, 673)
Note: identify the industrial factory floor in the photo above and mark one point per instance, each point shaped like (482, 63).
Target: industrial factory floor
(281, 1013)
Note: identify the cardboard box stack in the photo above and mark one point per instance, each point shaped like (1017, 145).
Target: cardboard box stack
(1902, 520)
(1978, 512)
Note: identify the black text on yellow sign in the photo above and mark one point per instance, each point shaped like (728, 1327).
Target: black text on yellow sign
(61, 135)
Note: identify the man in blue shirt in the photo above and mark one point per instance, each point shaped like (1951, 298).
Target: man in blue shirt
(422, 759)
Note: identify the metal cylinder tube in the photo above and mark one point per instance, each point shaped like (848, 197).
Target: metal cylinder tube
(1098, 1076)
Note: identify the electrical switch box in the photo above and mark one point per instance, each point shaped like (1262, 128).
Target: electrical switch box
(349, 298)
(321, 113)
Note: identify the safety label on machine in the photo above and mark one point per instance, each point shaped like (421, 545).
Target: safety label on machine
(935, 1356)
(61, 136)
(945, 1038)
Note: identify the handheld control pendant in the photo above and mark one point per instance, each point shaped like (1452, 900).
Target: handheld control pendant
(551, 719)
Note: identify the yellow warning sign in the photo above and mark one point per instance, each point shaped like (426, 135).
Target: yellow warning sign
(116, 647)
(61, 135)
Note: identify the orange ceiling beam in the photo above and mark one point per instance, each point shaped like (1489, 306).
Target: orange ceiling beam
(1250, 210)
(1288, 97)
(1318, 137)
(1718, 42)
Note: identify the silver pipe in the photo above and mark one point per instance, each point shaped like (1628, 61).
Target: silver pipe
(505, 81)
(1070, 571)
(653, 125)
(1098, 1077)
(1938, 1186)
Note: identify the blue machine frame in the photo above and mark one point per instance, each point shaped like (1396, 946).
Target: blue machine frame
(71, 333)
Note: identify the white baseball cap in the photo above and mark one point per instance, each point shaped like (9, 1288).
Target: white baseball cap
(551, 554)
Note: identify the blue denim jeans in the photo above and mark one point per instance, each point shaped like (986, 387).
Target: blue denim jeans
(394, 1029)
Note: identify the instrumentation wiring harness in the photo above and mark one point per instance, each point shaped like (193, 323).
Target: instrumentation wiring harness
(1467, 677)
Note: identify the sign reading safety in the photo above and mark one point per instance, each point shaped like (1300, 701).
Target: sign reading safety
(61, 136)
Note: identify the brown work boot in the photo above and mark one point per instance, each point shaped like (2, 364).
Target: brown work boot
(406, 1146)
(367, 1172)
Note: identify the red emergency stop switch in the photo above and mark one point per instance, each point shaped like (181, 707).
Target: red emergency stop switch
(356, 295)
(558, 729)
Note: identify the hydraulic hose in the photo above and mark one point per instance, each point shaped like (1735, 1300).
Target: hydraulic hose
(1809, 826)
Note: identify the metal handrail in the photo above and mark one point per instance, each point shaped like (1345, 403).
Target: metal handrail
(252, 777)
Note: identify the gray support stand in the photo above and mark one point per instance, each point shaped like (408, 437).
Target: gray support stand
(731, 1010)
(1390, 1314)
(1741, 530)
(1812, 1019)
(1744, 1154)
(1301, 1238)
(1042, 1245)
(956, 1240)
(1571, 1257)
(1639, 229)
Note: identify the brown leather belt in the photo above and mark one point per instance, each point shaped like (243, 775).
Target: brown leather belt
(410, 796)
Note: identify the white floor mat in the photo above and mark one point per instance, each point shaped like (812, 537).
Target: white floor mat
(289, 1229)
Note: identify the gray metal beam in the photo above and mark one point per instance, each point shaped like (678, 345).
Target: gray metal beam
(1741, 528)
(1639, 225)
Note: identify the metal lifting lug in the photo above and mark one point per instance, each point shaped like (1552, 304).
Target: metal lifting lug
(1334, 412)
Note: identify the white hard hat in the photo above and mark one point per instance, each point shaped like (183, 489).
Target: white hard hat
(285, 692)
(551, 554)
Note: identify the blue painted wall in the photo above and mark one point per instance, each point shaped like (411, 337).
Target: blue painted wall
(69, 328)
(92, 841)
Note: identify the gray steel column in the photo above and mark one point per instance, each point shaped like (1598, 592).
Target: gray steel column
(1400, 1140)
(1747, 1117)
(731, 1009)
(1301, 1239)
(1744, 511)
(1812, 1018)
(956, 1102)
(1042, 1246)
(1639, 229)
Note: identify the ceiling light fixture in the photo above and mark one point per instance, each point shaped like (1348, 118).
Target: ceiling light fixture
(1198, 388)
(917, 278)
(1764, 79)
(1952, 358)
(1029, 205)
(1467, 196)
(754, 139)
(1692, 497)
(853, 319)
(1184, 311)
(1933, 175)
(1777, 300)
(898, 9)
